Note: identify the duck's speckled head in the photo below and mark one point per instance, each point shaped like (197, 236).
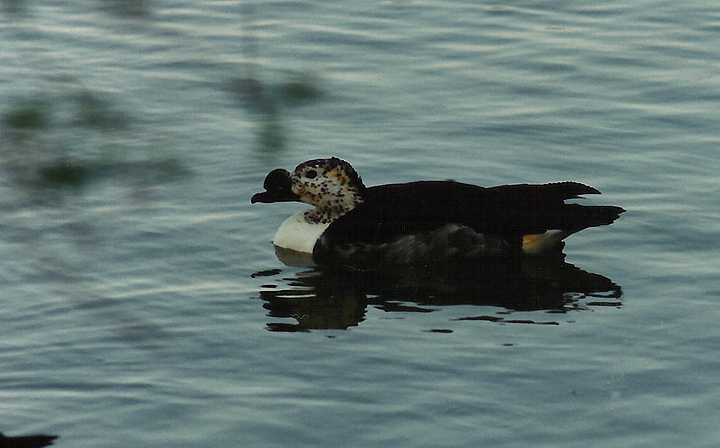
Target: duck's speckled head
(331, 185)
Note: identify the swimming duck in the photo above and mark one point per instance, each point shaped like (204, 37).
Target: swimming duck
(424, 221)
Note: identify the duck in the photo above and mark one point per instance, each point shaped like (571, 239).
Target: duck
(427, 221)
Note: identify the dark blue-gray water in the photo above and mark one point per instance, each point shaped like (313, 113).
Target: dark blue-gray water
(143, 303)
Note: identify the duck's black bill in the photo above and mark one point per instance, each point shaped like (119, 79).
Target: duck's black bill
(268, 197)
(278, 188)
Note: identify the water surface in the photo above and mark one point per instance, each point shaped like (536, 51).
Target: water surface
(134, 135)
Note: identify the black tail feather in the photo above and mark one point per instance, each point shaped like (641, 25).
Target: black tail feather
(577, 217)
(545, 193)
(34, 441)
(571, 190)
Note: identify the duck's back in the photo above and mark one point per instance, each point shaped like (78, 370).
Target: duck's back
(499, 216)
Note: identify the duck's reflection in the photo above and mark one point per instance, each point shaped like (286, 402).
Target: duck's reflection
(337, 298)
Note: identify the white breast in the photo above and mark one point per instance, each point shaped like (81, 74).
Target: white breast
(297, 234)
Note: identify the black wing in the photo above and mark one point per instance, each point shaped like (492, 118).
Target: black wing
(394, 210)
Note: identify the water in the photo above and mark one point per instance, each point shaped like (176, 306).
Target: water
(135, 133)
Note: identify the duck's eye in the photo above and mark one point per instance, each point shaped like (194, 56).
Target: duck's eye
(312, 174)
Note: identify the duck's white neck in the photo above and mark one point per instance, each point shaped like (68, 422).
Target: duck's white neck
(299, 233)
